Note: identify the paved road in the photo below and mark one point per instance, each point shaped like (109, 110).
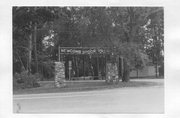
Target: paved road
(119, 100)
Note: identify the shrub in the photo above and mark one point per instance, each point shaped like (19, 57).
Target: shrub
(38, 76)
(25, 80)
(46, 69)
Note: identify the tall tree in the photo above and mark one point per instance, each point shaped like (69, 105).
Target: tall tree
(26, 22)
(155, 38)
(130, 21)
(126, 30)
(117, 27)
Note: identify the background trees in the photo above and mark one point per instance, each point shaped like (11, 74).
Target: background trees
(29, 29)
(132, 32)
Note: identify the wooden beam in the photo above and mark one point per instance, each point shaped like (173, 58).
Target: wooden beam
(59, 54)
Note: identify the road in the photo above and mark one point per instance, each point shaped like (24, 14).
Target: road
(119, 100)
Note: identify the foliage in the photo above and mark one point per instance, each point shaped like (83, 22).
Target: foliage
(46, 68)
(155, 37)
(24, 80)
(131, 32)
(25, 19)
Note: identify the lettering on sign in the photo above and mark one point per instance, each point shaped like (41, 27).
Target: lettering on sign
(65, 50)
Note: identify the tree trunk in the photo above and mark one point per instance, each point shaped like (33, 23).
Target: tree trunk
(22, 65)
(137, 73)
(35, 47)
(30, 54)
(156, 70)
(126, 72)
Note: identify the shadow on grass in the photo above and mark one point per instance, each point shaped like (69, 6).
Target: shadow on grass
(48, 87)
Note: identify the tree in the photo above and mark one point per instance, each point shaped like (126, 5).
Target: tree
(26, 22)
(118, 28)
(155, 38)
(127, 31)
(130, 21)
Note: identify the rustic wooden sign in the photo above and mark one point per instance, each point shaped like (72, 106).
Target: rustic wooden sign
(83, 50)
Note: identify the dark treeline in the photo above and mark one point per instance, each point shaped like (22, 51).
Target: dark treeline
(133, 32)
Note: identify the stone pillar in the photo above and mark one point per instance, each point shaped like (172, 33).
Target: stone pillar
(112, 73)
(59, 74)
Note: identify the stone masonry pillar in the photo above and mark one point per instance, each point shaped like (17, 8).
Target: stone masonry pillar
(59, 74)
(112, 73)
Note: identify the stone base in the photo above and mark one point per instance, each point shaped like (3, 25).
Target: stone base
(60, 83)
(112, 73)
(59, 74)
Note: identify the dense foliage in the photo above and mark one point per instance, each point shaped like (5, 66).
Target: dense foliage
(132, 32)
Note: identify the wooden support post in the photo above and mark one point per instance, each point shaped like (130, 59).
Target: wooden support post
(117, 60)
(77, 66)
(98, 66)
(83, 68)
(105, 67)
(59, 56)
(122, 67)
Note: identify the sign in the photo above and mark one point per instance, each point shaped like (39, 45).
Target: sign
(70, 51)
(85, 50)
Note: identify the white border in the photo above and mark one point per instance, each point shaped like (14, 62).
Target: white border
(172, 54)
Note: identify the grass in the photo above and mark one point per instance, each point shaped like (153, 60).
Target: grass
(74, 86)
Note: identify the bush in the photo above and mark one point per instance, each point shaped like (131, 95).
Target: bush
(25, 80)
(47, 70)
(38, 76)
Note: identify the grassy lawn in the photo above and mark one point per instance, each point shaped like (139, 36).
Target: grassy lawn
(73, 86)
